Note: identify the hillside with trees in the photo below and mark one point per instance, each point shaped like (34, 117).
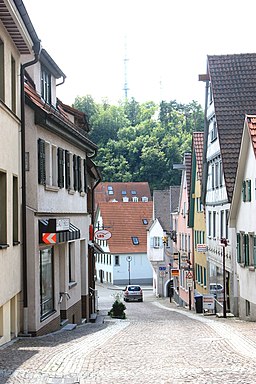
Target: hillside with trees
(141, 142)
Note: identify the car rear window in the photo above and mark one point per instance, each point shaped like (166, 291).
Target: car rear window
(134, 288)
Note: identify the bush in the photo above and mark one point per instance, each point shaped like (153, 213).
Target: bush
(117, 310)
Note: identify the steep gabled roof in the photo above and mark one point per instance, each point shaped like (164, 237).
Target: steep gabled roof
(233, 81)
(124, 221)
(120, 190)
(198, 145)
(161, 200)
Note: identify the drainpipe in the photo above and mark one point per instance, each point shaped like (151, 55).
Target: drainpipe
(36, 49)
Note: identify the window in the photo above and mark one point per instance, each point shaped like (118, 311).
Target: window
(133, 192)
(135, 240)
(213, 183)
(145, 221)
(41, 162)
(15, 211)
(144, 199)
(156, 241)
(205, 278)
(71, 262)
(221, 224)
(217, 176)
(245, 248)
(199, 205)
(46, 85)
(60, 167)
(13, 85)
(254, 250)
(1, 70)
(214, 130)
(214, 224)
(246, 190)
(46, 282)
(247, 308)
(226, 226)
(209, 224)
(220, 174)
(117, 261)
(3, 210)
(123, 192)
(125, 199)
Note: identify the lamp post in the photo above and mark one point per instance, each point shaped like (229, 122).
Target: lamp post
(129, 259)
(224, 243)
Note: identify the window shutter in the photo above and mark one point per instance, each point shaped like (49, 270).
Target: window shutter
(67, 169)
(249, 190)
(244, 191)
(246, 249)
(41, 162)
(238, 247)
(85, 177)
(75, 172)
(79, 180)
(254, 250)
(60, 168)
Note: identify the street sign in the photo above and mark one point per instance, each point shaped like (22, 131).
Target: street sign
(189, 283)
(189, 275)
(102, 234)
(162, 268)
(208, 301)
(49, 238)
(202, 248)
(162, 273)
(175, 272)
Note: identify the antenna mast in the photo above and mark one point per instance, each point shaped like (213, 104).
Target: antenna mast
(126, 89)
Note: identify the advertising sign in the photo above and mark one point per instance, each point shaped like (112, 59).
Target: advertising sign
(102, 234)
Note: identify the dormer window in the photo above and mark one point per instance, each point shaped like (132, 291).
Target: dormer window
(46, 85)
(133, 192)
(123, 192)
(135, 199)
(144, 199)
(110, 190)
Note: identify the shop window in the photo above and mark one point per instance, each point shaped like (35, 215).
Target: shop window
(46, 282)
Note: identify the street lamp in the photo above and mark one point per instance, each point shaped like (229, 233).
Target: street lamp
(224, 243)
(129, 259)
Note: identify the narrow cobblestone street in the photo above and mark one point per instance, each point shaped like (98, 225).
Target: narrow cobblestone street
(157, 343)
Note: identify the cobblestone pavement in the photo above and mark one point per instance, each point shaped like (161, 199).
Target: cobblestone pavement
(157, 343)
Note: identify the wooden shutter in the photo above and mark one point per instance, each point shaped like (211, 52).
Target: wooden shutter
(67, 169)
(249, 197)
(85, 177)
(75, 172)
(60, 168)
(238, 247)
(246, 249)
(244, 191)
(41, 162)
(79, 179)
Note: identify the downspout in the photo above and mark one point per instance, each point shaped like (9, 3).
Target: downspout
(36, 49)
(62, 82)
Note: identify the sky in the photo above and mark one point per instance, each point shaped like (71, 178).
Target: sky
(167, 43)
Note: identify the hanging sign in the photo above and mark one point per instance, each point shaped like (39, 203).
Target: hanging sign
(49, 238)
(102, 234)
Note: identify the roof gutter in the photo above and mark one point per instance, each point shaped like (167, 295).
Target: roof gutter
(37, 50)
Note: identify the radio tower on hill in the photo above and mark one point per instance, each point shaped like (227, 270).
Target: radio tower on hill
(126, 89)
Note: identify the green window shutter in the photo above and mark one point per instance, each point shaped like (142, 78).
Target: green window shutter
(238, 247)
(75, 169)
(67, 169)
(244, 191)
(79, 180)
(249, 198)
(41, 162)
(85, 177)
(254, 250)
(246, 249)
(60, 168)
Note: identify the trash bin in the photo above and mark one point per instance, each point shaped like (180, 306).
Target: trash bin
(199, 303)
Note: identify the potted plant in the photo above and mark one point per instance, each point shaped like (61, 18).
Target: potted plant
(118, 308)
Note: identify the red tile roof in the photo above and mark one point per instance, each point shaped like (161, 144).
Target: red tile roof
(198, 144)
(141, 189)
(251, 122)
(124, 221)
(233, 80)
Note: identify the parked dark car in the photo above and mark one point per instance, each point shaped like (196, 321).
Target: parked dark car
(133, 293)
